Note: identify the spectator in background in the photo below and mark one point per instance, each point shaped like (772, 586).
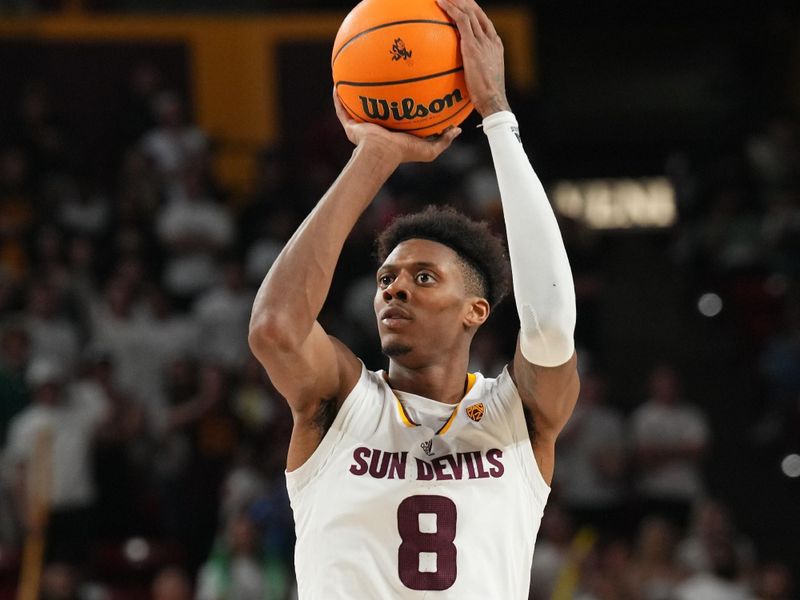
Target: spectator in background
(273, 200)
(138, 187)
(722, 582)
(53, 336)
(269, 236)
(168, 335)
(39, 131)
(48, 258)
(653, 570)
(82, 211)
(17, 214)
(115, 447)
(193, 229)
(15, 353)
(173, 145)
(207, 420)
(222, 315)
(255, 402)
(61, 581)
(669, 438)
(55, 433)
(171, 583)
(237, 569)
(774, 582)
(117, 326)
(172, 448)
(138, 107)
(553, 551)
(712, 524)
(591, 460)
(606, 575)
(779, 364)
(14, 397)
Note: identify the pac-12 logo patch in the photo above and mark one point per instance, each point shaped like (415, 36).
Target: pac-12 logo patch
(475, 411)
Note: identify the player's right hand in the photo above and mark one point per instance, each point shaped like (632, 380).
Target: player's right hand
(482, 53)
(397, 146)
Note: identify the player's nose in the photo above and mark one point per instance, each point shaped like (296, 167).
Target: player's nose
(397, 290)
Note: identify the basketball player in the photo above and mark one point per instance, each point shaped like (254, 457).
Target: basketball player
(423, 481)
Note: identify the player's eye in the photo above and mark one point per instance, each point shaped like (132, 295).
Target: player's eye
(424, 277)
(385, 280)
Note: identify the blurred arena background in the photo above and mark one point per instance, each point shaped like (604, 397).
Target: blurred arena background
(154, 157)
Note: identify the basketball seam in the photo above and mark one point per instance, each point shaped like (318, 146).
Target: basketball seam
(354, 112)
(412, 80)
(381, 26)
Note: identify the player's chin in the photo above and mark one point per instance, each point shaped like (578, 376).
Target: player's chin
(395, 348)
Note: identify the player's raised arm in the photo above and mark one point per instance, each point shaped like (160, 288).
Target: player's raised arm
(544, 363)
(305, 365)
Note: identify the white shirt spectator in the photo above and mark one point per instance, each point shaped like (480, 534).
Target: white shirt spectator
(173, 146)
(243, 581)
(223, 316)
(192, 229)
(705, 586)
(54, 339)
(591, 433)
(72, 425)
(660, 426)
(172, 149)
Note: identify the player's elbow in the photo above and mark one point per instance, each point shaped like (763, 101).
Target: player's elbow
(548, 345)
(546, 335)
(269, 333)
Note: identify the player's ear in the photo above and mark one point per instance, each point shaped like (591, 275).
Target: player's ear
(477, 313)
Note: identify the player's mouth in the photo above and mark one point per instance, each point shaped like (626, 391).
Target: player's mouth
(394, 318)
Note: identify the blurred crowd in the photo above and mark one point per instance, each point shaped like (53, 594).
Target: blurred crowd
(143, 441)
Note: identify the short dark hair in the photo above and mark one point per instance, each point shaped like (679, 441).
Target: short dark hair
(482, 253)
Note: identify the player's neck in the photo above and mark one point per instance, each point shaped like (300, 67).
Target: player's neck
(444, 382)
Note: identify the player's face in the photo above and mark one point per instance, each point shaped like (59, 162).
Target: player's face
(421, 301)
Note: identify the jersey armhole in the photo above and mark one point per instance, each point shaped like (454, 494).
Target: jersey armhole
(512, 404)
(298, 479)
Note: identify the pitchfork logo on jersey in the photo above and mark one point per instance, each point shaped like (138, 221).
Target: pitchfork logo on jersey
(399, 50)
(475, 411)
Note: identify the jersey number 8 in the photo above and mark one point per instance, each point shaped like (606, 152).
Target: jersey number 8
(416, 542)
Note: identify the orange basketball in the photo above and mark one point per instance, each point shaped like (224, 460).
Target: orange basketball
(397, 63)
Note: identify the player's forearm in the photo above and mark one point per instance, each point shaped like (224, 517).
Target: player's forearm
(295, 288)
(543, 288)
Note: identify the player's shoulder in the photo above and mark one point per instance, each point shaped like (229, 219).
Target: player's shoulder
(502, 383)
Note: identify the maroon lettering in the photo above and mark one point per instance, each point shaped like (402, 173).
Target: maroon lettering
(414, 542)
(379, 465)
(482, 474)
(424, 470)
(493, 456)
(397, 468)
(456, 464)
(470, 466)
(360, 466)
(438, 467)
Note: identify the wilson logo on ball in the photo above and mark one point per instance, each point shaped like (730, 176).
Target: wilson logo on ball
(407, 108)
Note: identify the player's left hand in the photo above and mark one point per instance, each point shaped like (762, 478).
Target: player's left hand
(397, 146)
(482, 53)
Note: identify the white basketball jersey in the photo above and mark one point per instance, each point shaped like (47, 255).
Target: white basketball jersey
(388, 508)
